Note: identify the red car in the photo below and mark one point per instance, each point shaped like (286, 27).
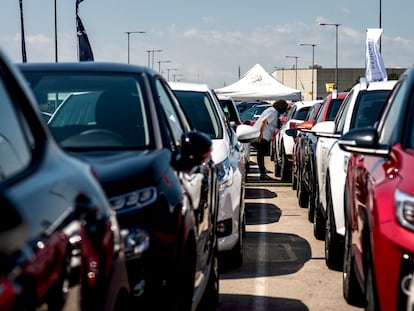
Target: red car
(379, 205)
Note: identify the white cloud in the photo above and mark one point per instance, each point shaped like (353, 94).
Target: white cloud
(37, 39)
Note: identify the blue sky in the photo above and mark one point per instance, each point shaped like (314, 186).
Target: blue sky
(207, 41)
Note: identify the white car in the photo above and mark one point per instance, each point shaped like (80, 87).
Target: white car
(233, 116)
(283, 143)
(204, 111)
(359, 109)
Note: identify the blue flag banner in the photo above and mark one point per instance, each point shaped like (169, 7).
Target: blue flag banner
(375, 68)
(85, 49)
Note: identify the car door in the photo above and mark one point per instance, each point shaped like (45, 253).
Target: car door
(198, 184)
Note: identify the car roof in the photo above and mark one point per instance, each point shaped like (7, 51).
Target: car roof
(307, 103)
(189, 86)
(86, 66)
(224, 97)
(381, 85)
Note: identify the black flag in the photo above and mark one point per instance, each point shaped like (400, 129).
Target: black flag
(85, 50)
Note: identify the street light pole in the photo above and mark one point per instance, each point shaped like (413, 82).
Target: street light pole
(296, 68)
(380, 22)
(313, 62)
(168, 72)
(128, 33)
(336, 53)
(177, 75)
(153, 52)
(159, 64)
(56, 41)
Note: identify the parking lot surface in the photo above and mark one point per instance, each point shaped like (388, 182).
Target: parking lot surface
(284, 265)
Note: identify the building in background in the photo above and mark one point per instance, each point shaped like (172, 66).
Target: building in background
(324, 79)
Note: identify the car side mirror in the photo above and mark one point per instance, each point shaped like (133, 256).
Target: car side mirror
(363, 141)
(195, 148)
(292, 132)
(247, 133)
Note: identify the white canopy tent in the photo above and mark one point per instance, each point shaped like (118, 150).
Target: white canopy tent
(257, 84)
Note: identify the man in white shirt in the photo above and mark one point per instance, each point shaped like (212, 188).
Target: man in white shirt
(267, 124)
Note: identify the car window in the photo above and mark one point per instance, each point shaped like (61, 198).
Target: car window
(301, 113)
(291, 112)
(252, 112)
(15, 152)
(367, 107)
(88, 110)
(313, 112)
(171, 114)
(394, 115)
(200, 109)
(333, 109)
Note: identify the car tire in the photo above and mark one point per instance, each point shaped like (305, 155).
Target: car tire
(211, 295)
(371, 295)
(285, 174)
(303, 195)
(333, 246)
(277, 167)
(318, 223)
(351, 289)
(312, 199)
(236, 254)
(294, 181)
(370, 291)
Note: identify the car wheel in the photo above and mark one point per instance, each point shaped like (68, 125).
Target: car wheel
(294, 181)
(211, 295)
(312, 200)
(303, 195)
(277, 167)
(236, 254)
(333, 249)
(318, 223)
(371, 296)
(285, 175)
(351, 289)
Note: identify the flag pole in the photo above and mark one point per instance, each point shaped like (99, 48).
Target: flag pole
(24, 59)
(56, 41)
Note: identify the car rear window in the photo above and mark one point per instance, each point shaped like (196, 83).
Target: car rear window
(367, 108)
(301, 113)
(333, 109)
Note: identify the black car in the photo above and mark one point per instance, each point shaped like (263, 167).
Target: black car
(60, 243)
(126, 122)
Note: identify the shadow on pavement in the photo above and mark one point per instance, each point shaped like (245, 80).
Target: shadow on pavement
(261, 213)
(251, 303)
(268, 254)
(254, 193)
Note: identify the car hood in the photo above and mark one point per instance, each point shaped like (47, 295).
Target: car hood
(123, 171)
(220, 150)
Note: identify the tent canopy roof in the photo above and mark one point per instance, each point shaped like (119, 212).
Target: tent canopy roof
(257, 84)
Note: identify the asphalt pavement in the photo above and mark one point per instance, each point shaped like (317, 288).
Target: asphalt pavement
(284, 265)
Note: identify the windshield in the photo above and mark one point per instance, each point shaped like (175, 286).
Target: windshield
(93, 110)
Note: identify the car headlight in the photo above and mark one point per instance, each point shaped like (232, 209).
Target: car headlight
(405, 209)
(224, 173)
(138, 198)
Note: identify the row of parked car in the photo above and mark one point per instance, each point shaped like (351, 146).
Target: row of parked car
(120, 190)
(351, 168)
